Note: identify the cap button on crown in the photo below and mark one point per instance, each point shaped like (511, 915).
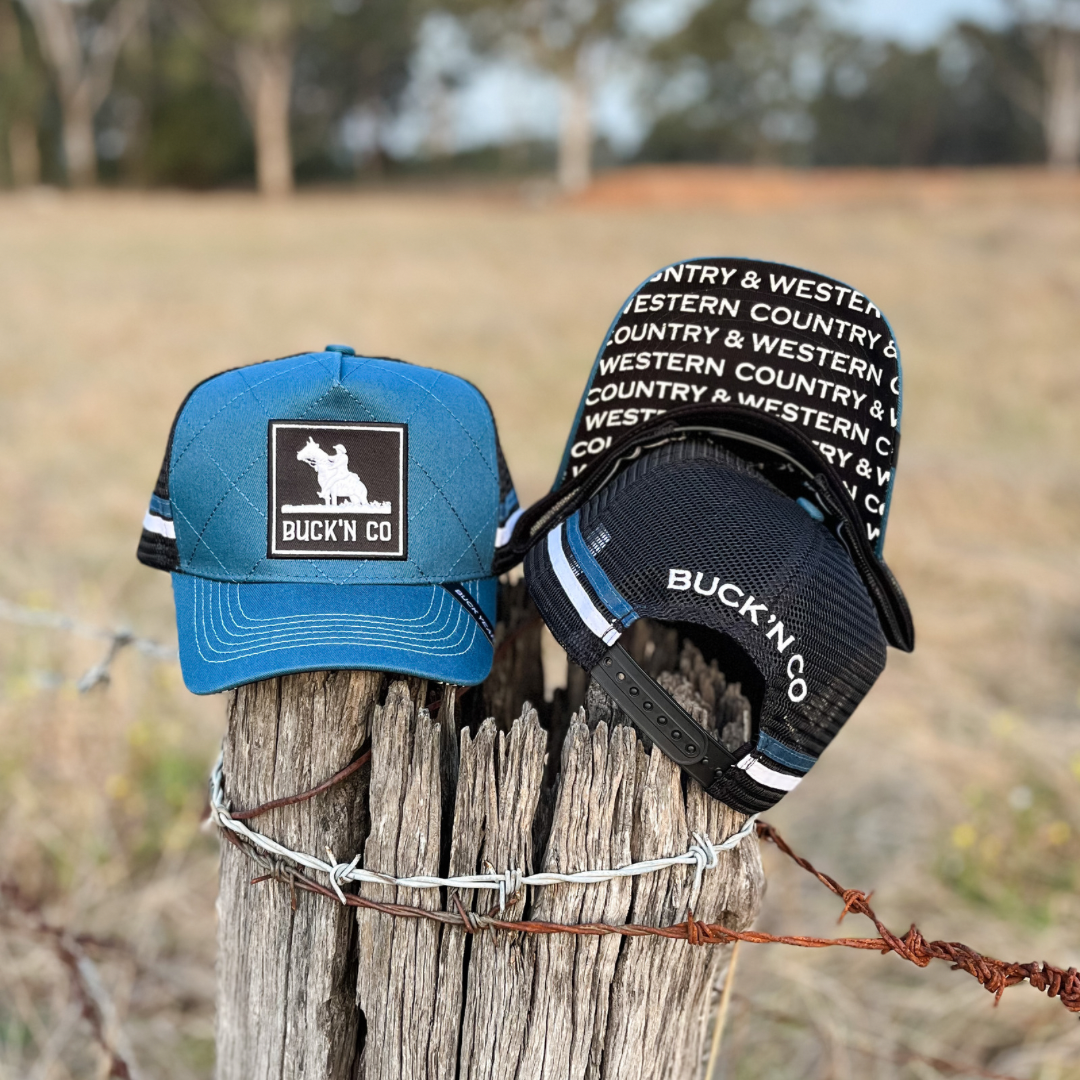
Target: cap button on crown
(345, 350)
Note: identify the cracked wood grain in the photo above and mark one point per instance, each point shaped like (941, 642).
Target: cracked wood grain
(286, 978)
(429, 1001)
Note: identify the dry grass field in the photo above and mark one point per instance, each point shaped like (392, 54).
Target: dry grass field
(955, 790)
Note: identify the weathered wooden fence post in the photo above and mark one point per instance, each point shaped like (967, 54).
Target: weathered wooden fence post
(286, 962)
(309, 988)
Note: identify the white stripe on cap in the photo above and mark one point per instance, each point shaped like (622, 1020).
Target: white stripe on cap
(506, 530)
(778, 781)
(589, 612)
(162, 526)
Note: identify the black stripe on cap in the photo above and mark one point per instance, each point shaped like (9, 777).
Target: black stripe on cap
(461, 594)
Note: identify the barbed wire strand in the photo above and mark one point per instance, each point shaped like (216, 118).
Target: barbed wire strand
(702, 854)
(292, 800)
(118, 640)
(992, 974)
(96, 1005)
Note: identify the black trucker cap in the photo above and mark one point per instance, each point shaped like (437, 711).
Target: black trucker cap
(796, 373)
(690, 534)
(731, 467)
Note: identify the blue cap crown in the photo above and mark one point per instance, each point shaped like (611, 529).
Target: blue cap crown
(345, 475)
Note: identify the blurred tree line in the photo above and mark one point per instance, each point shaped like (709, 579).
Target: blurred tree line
(204, 93)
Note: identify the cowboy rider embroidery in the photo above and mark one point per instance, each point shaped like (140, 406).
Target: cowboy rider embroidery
(338, 486)
(337, 489)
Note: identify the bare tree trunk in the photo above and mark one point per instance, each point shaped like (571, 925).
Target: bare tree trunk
(433, 1001)
(24, 158)
(1061, 116)
(265, 65)
(439, 143)
(83, 73)
(24, 154)
(80, 153)
(575, 127)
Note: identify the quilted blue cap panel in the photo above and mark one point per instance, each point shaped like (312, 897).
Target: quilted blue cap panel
(217, 468)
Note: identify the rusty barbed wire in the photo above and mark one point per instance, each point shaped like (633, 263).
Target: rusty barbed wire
(994, 975)
(702, 854)
(292, 800)
(95, 1004)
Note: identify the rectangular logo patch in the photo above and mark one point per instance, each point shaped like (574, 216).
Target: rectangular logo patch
(337, 490)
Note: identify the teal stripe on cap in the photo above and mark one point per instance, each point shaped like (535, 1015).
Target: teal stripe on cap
(609, 596)
(784, 755)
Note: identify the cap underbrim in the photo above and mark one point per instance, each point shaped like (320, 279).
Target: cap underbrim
(232, 634)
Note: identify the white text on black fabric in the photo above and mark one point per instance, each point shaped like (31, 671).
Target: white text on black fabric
(732, 596)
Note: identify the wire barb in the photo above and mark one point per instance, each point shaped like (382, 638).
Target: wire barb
(703, 854)
(995, 975)
(118, 640)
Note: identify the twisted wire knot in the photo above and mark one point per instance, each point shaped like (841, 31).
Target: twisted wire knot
(706, 856)
(508, 887)
(855, 900)
(339, 871)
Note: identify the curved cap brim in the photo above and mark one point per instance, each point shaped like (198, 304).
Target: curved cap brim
(232, 633)
(788, 344)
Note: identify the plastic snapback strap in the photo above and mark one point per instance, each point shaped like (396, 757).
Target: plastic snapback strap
(655, 713)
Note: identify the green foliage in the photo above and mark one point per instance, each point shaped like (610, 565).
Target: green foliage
(157, 797)
(747, 76)
(743, 81)
(790, 88)
(1017, 853)
(552, 33)
(355, 57)
(199, 138)
(954, 103)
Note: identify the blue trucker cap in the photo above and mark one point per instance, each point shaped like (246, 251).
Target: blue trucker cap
(329, 510)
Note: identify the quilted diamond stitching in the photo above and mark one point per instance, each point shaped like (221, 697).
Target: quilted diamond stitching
(233, 484)
(492, 517)
(236, 397)
(453, 510)
(217, 506)
(457, 419)
(438, 488)
(180, 513)
(341, 386)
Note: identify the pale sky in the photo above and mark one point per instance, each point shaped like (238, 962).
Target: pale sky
(915, 22)
(503, 101)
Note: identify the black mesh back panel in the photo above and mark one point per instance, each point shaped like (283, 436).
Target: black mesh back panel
(689, 533)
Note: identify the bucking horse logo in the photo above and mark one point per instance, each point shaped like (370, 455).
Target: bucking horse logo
(339, 487)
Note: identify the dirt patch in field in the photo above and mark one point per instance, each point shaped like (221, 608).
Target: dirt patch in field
(742, 188)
